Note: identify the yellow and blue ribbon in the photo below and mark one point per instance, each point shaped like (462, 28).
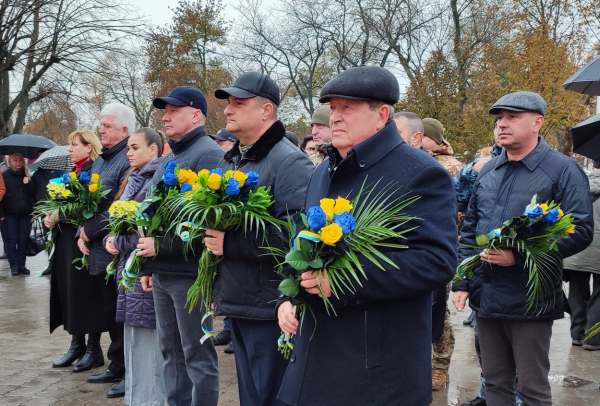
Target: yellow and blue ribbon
(307, 235)
(207, 333)
(185, 234)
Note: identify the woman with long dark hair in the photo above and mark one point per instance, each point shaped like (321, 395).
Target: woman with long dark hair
(143, 384)
(74, 293)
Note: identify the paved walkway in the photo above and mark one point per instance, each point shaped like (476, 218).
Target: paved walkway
(27, 351)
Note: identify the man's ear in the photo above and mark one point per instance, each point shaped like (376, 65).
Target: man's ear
(416, 139)
(267, 112)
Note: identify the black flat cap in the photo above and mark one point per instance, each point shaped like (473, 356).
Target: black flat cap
(183, 96)
(251, 84)
(363, 83)
(520, 101)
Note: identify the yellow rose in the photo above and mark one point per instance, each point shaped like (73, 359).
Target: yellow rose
(571, 230)
(73, 175)
(544, 207)
(240, 177)
(331, 234)
(327, 206)
(204, 173)
(228, 174)
(95, 178)
(214, 181)
(342, 205)
(560, 214)
(93, 187)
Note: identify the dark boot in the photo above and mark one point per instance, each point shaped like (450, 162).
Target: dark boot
(93, 357)
(75, 352)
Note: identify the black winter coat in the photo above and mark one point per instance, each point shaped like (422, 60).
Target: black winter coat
(19, 197)
(246, 285)
(377, 350)
(502, 191)
(112, 166)
(194, 151)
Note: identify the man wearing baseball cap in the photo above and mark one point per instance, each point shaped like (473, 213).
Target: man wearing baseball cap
(246, 286)
(190, 368)
(512, 338)
(225, 139)
(376, 349)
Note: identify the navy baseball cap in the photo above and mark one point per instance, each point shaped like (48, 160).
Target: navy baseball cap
(183, 96)
(224, 135)
(251, 84)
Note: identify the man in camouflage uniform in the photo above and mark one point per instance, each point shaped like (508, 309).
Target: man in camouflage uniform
(438, 147)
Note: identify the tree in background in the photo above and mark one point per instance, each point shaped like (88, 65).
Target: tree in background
(186, 53)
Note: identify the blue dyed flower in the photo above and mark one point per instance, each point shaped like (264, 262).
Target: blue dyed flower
(84, 177)
(186, 187)
(534, 212)
(65, 179)
(233, 187)
(551, 216)
(58, 181)
(218, 171)
(170, 179)
(316, 218)
(346, 221)
(252, 179)
(170, 166)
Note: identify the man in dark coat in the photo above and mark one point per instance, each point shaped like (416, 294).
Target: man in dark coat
(512, 339)
(377, 350)
(117, 122)
(246, 287)
(190, 368)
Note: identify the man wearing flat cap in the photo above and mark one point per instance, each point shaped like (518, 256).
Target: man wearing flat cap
(513, 340)
(246, 286)
(190, 368)
(377, 349)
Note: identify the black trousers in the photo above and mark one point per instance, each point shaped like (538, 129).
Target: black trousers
(509, 347)
(116, 350)
(260, 366)
(585, 305)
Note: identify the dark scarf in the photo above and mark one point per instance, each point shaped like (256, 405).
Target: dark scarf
(137, 180)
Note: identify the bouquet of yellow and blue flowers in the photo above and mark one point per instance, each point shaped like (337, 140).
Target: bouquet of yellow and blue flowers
(122, 217)
(219, 201)
(152, 218)
(335, 236)
(73, 201)
(534, 235)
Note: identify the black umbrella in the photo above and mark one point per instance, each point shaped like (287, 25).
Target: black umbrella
(586, 80)
(27, 145)
(586, 138)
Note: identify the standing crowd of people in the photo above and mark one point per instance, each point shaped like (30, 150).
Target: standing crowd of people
(390, 341)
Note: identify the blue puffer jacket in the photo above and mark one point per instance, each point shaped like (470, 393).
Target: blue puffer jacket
(136, 308)
(502, 191)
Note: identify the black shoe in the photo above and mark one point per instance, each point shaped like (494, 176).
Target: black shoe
(107, 376)
(3, 256)
(24, 271)
(14, 271)
(75, 352)
(577, 343)
(475, 402)
(223, 338)
(469, 320)
(229, 348)
(47, 271)
(93, 357)
(591, 347)
(117, 391)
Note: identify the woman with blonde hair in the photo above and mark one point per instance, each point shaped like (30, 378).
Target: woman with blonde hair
(74, 293)
(18, 207)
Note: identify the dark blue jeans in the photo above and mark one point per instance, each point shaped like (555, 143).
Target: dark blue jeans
(16, 230)
(190, 368)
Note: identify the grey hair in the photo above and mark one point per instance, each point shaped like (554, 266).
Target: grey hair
(374, 104)
(415, 124)
(262, 100)
(124, 115)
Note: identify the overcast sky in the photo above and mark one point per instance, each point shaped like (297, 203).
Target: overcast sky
(160, 14)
